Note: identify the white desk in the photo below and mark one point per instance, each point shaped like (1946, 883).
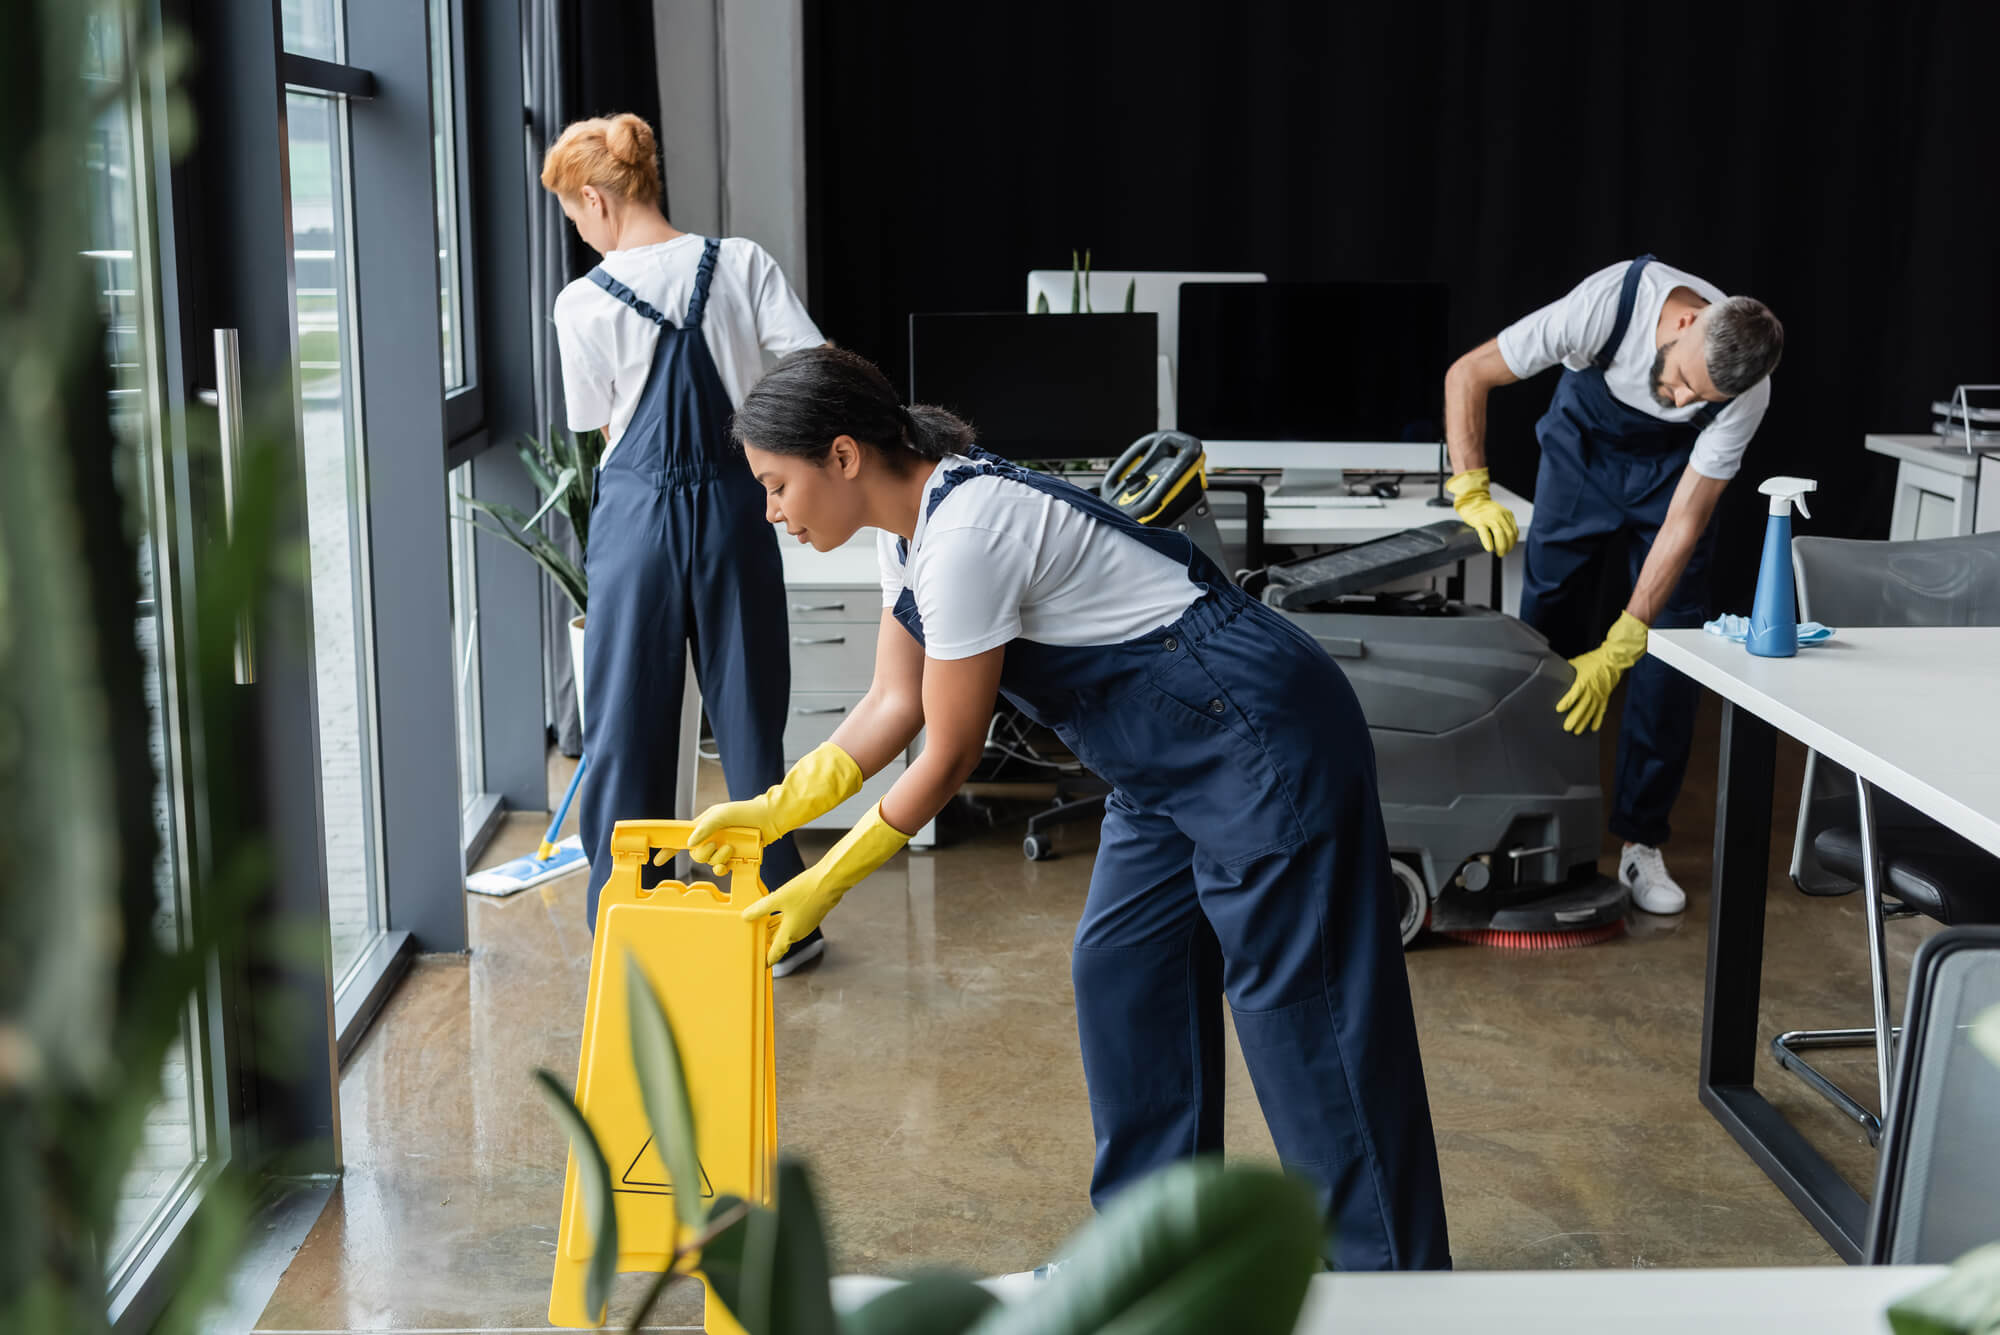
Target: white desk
(1937, 486)
(1910, 711)
(1574, 1302)
(1310, 522)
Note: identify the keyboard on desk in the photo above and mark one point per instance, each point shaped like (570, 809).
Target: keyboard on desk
(1284, 502)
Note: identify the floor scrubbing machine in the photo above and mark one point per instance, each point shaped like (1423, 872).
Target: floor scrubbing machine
(1494, 813)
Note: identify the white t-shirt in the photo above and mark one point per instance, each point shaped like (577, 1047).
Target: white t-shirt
(1573, 329)
(607, 347)
(1002, 561)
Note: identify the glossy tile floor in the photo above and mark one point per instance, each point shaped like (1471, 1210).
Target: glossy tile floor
(928, 1069)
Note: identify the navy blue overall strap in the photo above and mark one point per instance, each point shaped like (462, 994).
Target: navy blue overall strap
(624, 294)
(1170, 543)
(709, 251)
(1628, 296)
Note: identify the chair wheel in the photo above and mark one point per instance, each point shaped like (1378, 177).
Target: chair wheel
(1037, 848)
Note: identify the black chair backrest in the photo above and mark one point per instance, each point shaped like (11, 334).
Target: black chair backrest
(1937, 1189)
(1929, 582)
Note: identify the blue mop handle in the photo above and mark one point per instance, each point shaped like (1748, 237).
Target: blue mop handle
(548, 848)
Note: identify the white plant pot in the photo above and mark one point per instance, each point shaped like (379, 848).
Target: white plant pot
(576, 665)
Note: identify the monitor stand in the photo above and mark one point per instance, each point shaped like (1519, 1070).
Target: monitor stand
(1311, 482)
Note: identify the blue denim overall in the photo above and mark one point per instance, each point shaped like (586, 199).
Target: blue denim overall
(1242, 854)
(1608, 473)
(680, 554)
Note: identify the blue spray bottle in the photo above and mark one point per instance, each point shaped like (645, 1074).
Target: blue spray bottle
(1774, 617)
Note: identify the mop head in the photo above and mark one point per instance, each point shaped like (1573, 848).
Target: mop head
(530, 871)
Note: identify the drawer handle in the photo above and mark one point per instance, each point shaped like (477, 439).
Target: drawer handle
(829, 709)
(819, 607)
(830, 639)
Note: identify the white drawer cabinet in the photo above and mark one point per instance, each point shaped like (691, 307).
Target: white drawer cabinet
(833, 601)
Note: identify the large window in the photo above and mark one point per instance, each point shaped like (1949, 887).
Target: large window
(330, 418)
(444, 158)
(173, 1144)
(465, 650)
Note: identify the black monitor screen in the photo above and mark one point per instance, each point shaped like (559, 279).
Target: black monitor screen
(1041, 386)
(1312, 361)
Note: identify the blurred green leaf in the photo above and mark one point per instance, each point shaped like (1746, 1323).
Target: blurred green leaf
(783, 1289)
(594, 1175)
(1986, 1033)
(1965, 1300)
(937, 1304)
(722, 1258)
(1197, 1247)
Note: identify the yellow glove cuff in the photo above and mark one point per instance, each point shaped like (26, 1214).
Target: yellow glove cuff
(821, 781)
(808, 897)
(872, 842)
(1471, 485)
(1626, 644)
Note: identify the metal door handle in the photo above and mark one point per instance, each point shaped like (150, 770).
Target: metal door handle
(831, 639)
(819, 607)
(229, 417)
(829, 709)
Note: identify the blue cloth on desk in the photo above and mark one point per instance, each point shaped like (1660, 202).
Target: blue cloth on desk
(1737, 628)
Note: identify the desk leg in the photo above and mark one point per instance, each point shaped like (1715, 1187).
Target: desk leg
(1735, 975)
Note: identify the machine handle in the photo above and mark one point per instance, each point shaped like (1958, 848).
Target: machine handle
(819, 607)
(829, 709)
(228, 401)
(829, 639)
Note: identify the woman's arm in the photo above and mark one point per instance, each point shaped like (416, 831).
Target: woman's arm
(889, 717)
(958, 696)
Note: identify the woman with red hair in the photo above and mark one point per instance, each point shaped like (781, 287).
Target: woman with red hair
(659, 344)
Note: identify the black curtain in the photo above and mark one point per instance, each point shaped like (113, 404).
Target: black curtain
(1833, 160)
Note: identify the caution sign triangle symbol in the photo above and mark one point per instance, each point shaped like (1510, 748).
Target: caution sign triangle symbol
(651, 1180)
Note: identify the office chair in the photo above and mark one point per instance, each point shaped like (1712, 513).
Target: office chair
(1925, 868)
(1937, 1186)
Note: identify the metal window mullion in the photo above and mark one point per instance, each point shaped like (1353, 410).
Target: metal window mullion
(310, 75)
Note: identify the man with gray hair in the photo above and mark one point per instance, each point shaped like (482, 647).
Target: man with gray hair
(1665, 380)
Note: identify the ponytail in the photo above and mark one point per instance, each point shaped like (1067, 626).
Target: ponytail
(815, 395)
(930, 432)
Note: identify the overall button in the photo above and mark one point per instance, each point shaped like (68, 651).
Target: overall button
(1215, 706)
(1172, 644)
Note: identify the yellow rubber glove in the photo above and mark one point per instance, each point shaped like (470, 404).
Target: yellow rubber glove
(803, 901)
(1475, 505)
(817, 784)
(1598, 671)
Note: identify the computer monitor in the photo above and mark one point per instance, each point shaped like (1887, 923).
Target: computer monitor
(1155, 290)
(1040, 386)
(1327, 363)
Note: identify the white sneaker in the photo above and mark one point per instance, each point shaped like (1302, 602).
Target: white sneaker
(1018, 1285)
(800, 955)
(1643, 871)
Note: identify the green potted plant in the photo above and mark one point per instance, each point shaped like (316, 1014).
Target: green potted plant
(563, 467)
(1197, 1247)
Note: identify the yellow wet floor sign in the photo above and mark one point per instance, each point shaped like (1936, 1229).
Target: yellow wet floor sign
(707, 965)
